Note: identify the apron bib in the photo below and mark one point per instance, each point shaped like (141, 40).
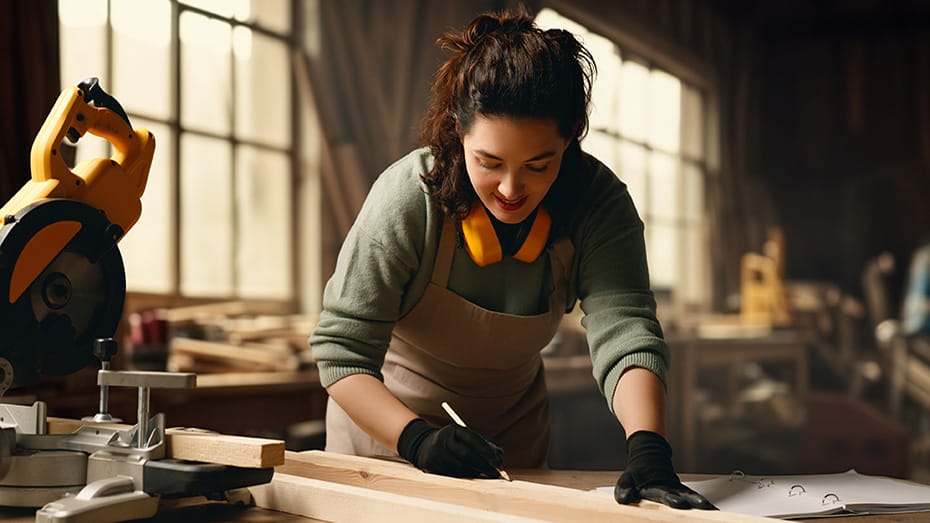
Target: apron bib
(486, 364)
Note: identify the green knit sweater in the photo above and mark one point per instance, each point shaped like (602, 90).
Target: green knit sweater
(387, 258)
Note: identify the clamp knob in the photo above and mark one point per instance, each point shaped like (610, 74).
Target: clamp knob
(105, 349)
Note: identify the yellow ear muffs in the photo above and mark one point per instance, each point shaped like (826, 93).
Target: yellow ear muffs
(482, 244)
(536, 240)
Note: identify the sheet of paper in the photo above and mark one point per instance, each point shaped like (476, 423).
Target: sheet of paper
(810, 495)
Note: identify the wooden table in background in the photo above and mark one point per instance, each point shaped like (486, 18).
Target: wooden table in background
(692, 354)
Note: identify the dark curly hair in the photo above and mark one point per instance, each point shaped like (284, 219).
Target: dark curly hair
(502, 64)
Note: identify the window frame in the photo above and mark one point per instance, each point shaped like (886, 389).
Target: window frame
(302, 289)
(633, 44)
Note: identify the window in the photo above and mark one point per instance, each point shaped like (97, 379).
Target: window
(647, 126)
(212, 80)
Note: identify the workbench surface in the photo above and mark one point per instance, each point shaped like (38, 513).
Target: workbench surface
(200, 510)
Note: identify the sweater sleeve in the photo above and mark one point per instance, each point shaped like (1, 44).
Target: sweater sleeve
(613, 286)
(377, 275)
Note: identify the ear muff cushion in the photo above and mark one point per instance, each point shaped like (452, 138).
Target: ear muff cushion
(480, 239)
(537, 238)
(483, 246)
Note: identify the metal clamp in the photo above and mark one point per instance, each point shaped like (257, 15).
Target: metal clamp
(145, 380)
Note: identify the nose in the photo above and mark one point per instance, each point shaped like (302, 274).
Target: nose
(511, 185)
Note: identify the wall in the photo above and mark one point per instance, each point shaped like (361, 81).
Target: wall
(846, 141)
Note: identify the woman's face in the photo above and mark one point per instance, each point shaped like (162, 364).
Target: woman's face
(512, 162)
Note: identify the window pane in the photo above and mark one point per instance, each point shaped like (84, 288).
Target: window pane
(693, 189)
(206, 79)
(604, 148)
(662, 253)
(605, 92)
(633, 172)
(142, 56)
(262, 88)
(147, 248)
(83, 41)
(263, 205)
(695, 282)
(664, 187)
(227, 8)
(206, 216)
(634, 101)
(270, 14)
(664, 111)
(692, 123)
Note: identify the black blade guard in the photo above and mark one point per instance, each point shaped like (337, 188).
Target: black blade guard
(48, 327)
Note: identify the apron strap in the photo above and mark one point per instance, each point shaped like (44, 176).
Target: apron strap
(443, 265)
(560, 258)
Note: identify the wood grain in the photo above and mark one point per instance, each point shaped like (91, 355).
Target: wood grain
(516, 498)
(331, 501)
(200, 445)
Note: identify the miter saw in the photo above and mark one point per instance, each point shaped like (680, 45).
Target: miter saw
(62, 288)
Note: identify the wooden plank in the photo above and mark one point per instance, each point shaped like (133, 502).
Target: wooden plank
(225, 309)
(330, 501)
(517, 498)
(210, 447)
(200, 445)
(260, 358)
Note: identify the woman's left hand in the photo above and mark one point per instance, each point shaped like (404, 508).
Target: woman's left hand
(649, 474)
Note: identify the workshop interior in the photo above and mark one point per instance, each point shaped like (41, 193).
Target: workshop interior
(177, 177)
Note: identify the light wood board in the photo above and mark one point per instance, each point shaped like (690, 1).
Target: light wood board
(517, 498)
(200, 445)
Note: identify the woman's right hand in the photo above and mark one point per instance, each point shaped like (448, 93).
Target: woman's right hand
(451, 450)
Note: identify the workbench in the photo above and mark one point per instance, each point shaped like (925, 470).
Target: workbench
(692, 354)
(372, 477)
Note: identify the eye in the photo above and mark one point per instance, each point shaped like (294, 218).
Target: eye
(488, 166)
(538, 168)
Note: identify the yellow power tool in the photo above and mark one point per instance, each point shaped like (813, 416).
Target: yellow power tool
(62, 280)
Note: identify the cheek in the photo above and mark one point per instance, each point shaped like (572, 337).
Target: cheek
(543, 185)
(478, 177)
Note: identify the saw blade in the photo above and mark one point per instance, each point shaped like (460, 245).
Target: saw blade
(70, 286)
(78, 297)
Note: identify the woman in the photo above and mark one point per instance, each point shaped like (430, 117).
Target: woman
(463, 260)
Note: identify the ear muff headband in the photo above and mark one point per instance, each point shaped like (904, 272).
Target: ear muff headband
(484, 248)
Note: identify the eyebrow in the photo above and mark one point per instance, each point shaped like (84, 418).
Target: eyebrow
(541, 156)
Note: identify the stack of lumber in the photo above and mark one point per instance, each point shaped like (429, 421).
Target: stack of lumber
(236, 337)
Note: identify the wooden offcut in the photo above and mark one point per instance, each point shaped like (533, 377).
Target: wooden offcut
(521, 499)
(200, 445)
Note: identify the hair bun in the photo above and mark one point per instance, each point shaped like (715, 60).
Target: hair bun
(488, 24)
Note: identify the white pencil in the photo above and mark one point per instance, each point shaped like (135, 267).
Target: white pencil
(458, 421)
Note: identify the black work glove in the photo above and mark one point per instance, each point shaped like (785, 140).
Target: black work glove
(451, 451)
(649, 475)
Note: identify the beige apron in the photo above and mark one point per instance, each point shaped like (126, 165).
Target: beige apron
(486, 364)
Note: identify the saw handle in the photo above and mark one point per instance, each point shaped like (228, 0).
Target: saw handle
(113, 185)
(94, 93)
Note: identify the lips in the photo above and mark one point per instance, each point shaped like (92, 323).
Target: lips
(510, 205)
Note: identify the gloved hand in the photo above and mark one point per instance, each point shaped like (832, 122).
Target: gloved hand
(451, 451)
(649, 474)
